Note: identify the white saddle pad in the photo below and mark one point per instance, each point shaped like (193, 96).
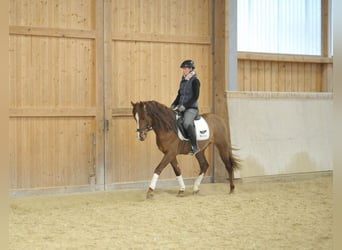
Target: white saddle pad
(202, 131)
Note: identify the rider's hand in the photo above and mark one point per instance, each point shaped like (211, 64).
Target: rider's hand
(181, 108)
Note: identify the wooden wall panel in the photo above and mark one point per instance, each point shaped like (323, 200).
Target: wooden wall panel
(147, 47)
(76, 64)
(74, 14)
(167, 17)
(50, 152)
(52, 72)
(55, 111)
(283, 76)
(151, 71)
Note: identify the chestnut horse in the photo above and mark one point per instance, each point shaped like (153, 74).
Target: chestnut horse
(151, 115)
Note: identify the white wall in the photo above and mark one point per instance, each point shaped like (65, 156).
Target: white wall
(281, 133)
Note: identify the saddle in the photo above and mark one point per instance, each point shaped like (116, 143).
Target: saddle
(201, 127)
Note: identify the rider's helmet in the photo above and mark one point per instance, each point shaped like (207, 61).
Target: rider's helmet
(188, 64)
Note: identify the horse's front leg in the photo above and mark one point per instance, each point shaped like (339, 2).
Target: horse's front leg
(166, 160)
(179, 177)
(204, 166)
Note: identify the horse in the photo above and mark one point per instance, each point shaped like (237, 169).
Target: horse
(152, 115)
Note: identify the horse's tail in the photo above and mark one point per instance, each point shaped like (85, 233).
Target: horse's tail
(235, 162)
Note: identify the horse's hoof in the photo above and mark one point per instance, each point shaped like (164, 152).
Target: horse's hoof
(149, 194)
(180, 193)
(195, 192)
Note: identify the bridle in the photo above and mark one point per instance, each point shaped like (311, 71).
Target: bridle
(147, 128)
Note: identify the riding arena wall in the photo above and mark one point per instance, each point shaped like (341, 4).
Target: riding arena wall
(75, 66)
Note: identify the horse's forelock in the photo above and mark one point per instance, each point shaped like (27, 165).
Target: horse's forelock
(138, 108)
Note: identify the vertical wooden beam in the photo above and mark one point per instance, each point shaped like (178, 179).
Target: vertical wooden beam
(326, 79)
(221, 69)
(5, 126)
(99, 159)
(220, 57)
(107, 82)
(325, 27)
(232, 46)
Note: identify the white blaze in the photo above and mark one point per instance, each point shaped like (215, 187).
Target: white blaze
(137, 118)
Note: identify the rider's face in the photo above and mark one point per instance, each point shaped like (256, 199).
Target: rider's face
(186, 71)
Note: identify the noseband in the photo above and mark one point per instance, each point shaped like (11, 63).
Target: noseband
(147, 128)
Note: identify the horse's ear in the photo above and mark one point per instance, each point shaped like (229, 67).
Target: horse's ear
(132, 103)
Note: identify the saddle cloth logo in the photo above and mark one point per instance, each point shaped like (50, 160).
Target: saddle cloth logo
(202, 131)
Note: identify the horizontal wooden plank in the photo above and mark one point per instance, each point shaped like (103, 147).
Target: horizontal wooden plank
(121, 112)
(124, 112)
(280, 95)
(283, 57)
(52, 32)
(52, 112)
(57, 190)
(160, 38)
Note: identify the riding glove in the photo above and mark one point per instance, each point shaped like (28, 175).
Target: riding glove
(180, 108)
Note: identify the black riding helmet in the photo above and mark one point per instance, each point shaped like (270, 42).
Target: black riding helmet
(188, 64)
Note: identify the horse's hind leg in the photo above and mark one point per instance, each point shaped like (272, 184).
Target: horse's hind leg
(228, 160)
(230, 169)
(204, 166)
(178, 173)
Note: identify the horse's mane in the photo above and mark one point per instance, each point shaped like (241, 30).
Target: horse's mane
(163, 117)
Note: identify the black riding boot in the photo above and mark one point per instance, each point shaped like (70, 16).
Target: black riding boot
(192, 137)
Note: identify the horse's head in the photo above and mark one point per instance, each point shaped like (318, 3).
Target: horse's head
(143, 120)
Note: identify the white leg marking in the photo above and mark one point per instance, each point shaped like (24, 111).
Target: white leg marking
(181, 183)
(137, 118)
(198, 182)
(154, 181)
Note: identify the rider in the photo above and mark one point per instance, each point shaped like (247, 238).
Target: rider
(187, 101)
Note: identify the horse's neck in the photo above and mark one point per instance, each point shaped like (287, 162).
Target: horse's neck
(165, 137)
(166, 120)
